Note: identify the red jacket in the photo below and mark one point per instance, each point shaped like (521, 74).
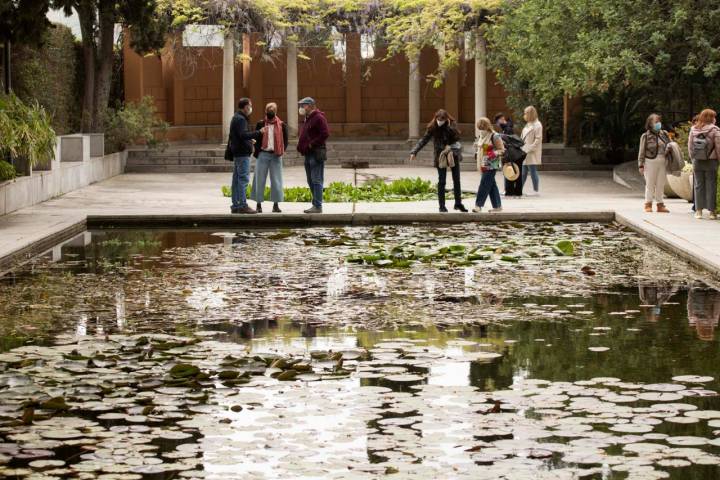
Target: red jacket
(314, 132)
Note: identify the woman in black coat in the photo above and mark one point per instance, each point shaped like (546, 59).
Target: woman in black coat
(444, 133)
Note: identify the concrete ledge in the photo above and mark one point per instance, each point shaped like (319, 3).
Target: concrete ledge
(302, 220)
(626, 174)
(672, 243)
(64, 177)
(23, 254)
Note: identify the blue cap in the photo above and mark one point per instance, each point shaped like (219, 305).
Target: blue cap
(307, 101)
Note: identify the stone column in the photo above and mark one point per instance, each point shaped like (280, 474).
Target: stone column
(480, 79)
(414, 99)
(292, 88)
(228, 84)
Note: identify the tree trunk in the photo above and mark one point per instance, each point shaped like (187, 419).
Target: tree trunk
(103, 79)
(86, 15)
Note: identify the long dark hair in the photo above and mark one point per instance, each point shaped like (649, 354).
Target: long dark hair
(442, 113)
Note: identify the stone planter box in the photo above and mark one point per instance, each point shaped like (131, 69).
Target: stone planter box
(681, 186)
(97, 144)
(74, 148)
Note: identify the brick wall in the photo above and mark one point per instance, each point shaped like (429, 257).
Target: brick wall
(203, 88)
(153, 84)
(383, 93)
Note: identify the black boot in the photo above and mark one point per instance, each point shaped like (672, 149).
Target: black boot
(276, 208)
(461, 207)
(258, 209)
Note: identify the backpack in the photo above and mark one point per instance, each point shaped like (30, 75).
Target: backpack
(702, 147)
(513, 148)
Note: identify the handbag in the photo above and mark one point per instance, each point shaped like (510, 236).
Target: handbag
(228, 151)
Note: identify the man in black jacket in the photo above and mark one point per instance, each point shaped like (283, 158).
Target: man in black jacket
(242, 140)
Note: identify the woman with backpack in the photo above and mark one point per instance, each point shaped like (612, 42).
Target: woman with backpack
(490, 149)
(703, 147)
(445, 135)
(652, 160)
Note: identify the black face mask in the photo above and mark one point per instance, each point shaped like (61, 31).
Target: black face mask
(270, 115)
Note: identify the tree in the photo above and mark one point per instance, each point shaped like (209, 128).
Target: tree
(407, 26)
(98, 19)
(21, 21)
(588, 46)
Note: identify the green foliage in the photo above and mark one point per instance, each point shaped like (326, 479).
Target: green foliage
(612, 119)
(580, 47)
(48, 74)
(25, 131)
(406, 25)
(565, 248)
(7, 171)
(23, 21)
(136, 122)
(400, 190)
(405, 255)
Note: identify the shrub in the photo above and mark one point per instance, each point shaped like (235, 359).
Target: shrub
(25, 131)
(136, 122)
(400, 190)
(7, 171)
(49, 74)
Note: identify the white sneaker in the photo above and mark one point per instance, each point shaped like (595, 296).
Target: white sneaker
(698, 214)
(712, 216)
(532, 194)
(496, 210)
(477, 209)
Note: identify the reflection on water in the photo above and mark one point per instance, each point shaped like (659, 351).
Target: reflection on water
(703, 307)
(452, 328)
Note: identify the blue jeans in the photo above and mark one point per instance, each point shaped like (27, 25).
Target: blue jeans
(533, 169)
(240, 180)
(315, 172)
(268, 162)
(488, 186)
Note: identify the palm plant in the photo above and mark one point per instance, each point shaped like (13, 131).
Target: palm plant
(26, 133)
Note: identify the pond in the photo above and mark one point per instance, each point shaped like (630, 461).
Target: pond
(501, 351)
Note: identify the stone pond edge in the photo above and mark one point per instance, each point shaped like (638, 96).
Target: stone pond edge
(664, 240)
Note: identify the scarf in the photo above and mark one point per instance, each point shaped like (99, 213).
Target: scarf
(278, 140)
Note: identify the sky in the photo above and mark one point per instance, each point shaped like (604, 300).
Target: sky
(57, 16)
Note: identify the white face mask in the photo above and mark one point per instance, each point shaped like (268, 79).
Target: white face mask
(440, 123)
(301, 111)
(249, 111)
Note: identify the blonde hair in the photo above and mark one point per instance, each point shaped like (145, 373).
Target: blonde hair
(531, 114)
(483, 123)
(271, 104)
(706, 117)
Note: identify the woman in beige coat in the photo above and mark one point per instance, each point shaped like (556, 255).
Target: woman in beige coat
(532, 135)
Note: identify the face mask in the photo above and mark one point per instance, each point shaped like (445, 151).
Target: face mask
(440, 123)
(270, 115)
(657, 127)
(249, 111)
(301, 111)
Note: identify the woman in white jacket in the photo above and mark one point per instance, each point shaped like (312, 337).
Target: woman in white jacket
(532, 135)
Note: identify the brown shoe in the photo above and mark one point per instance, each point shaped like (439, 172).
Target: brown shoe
(660, 208)
(648, 207)
(246, 210)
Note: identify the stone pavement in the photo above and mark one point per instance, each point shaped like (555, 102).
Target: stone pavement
(199, 194)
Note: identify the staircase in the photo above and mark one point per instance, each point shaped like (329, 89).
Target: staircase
(198, 158)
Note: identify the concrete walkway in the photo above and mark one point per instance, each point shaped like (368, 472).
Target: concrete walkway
(199, 194)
